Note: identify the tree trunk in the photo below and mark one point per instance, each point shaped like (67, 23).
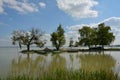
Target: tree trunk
(89, 47)
(102, 46)
(57, 48)
(28, 47)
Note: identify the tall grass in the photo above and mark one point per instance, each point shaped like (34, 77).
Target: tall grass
(94, 62)
(93, 67)
(69, 75)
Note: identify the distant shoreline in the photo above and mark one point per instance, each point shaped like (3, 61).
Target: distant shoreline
(67, 50)
(64, 49)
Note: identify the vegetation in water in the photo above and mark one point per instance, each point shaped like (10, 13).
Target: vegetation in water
(58, 38)
(28, 38)
(69, 75)
(92, 67)
(90, 37)
(96, 62)
(71, 42)
(96, 36)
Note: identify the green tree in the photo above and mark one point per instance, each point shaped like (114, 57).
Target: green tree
(76, 44)
(71, 42)
(104, 36)
(94, 37)
(58, 38)
(101, 35)
(87, 35)
(28, 38)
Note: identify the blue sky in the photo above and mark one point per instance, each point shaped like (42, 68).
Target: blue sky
(47, 14)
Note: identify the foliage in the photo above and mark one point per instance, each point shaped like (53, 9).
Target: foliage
(70, 75)
(96, 62)
(86, 36)
(96, 36)
(104, 36)
(71, 42)
(58, 37)
(92, 67)
(28, 38)
(76, 44)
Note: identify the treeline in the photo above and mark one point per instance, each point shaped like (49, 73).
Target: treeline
(90, 37)
(99, 36)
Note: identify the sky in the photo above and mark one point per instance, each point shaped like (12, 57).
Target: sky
(48, 14)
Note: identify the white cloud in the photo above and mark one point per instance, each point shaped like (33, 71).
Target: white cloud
(71, 34)
(78, 8)
(76, 27)
(113, 22)
(20, 6)
(1, 9)
(42, 5)
(47, 37)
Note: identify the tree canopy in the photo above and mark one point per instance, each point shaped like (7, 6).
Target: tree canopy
(86, 36)
(28, 38)
(101, 35)
(104, 36)
(58, 37)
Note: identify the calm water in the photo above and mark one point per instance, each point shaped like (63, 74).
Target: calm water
(11, 61)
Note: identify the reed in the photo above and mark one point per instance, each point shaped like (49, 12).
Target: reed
(93, 67)
(70, 75)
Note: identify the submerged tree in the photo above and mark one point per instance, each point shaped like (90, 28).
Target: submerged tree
(28, 38)
(58, 38)
(71, 42)
(76, 44)
(104, 36)
(86, 36)
(96, 36)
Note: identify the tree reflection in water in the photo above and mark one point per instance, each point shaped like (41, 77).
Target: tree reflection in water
(43, 65)
(93, 62)
(26, 65)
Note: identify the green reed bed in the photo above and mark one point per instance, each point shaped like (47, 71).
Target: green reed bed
(93, 67)
(69, 75)
(95, 62)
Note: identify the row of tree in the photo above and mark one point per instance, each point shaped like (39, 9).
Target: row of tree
(88, 37)
(99, 36)
(34, 37)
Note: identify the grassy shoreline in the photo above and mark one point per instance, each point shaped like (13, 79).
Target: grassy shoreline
(68, 75)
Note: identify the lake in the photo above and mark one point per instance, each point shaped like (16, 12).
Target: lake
(13, 62)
